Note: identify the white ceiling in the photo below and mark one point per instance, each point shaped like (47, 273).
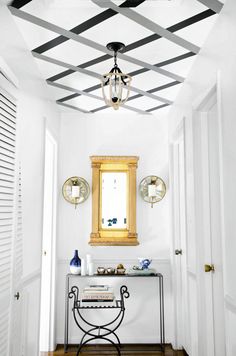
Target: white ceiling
(71, 13)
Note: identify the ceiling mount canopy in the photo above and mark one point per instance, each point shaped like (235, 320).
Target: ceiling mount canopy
(115, 84)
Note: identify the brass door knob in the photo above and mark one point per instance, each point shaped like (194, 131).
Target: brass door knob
(209, 268)
(178, 252)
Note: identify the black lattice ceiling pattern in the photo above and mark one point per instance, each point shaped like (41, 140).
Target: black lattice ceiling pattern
(68, 40)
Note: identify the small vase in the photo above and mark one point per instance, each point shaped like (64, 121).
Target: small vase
(75, 264)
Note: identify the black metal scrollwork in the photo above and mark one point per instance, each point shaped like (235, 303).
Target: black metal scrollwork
(124, 292)
(74, 293)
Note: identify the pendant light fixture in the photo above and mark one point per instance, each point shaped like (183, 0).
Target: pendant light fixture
(115, 84)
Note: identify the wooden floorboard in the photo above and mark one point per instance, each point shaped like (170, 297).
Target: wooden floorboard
(105, 350)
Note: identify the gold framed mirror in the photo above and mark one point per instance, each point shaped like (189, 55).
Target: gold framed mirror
(114, 201)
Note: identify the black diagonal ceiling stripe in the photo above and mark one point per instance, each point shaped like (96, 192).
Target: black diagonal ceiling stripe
(157, 107)
(132, 74)
(72, 96)
(139, 43)
(164, 63)
(19, 3)
(154, 90)
(99, 109)
(95, 87)
(165, 86)
(105, 15)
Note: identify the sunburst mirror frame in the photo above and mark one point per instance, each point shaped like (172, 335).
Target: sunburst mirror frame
(160, 189)
(84, 190)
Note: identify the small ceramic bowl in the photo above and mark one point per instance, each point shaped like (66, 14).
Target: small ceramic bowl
(120, 270)
(101, 270)
(110, 270)
(144, 262)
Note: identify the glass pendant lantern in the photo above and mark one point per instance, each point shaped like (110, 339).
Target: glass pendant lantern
(115, 84)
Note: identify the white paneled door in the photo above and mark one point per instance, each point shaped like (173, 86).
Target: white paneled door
(180, 273)
(209, 227)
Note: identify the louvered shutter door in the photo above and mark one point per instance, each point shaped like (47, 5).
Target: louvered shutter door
(7, 210)
(16, 315)
(18, 248)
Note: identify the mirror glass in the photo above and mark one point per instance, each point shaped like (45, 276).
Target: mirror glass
(114, 200)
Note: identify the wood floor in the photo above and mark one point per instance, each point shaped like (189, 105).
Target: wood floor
(107, 350)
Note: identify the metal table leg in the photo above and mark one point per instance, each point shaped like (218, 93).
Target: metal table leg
(66, 314)
(162, 322)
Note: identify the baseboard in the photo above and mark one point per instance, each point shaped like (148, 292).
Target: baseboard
(135, 348)
(185, 353)
(183, 350)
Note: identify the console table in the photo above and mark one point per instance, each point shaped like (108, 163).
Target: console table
(155, 276)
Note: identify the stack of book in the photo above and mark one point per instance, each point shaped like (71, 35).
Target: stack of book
(97, 294)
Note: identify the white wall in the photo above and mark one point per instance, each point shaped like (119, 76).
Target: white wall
(34, 112)
(118, 133)
(217, 55)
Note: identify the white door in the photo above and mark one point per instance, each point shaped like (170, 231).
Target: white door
(211, 295)
(216, 236)
(179, 238)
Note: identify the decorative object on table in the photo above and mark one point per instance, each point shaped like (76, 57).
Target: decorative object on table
(110, 270)
(138, 271)
(97, 294)
(152, 189)
(115, 84)
(101, 270)
(98, 287)
(91, 269)
(75, 264)
(75, 190)
(88, 261)
(142, 268)
(144, 262)
(83, 267)
(120, 269)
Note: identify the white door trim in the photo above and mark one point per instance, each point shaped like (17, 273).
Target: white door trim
(48, 330)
